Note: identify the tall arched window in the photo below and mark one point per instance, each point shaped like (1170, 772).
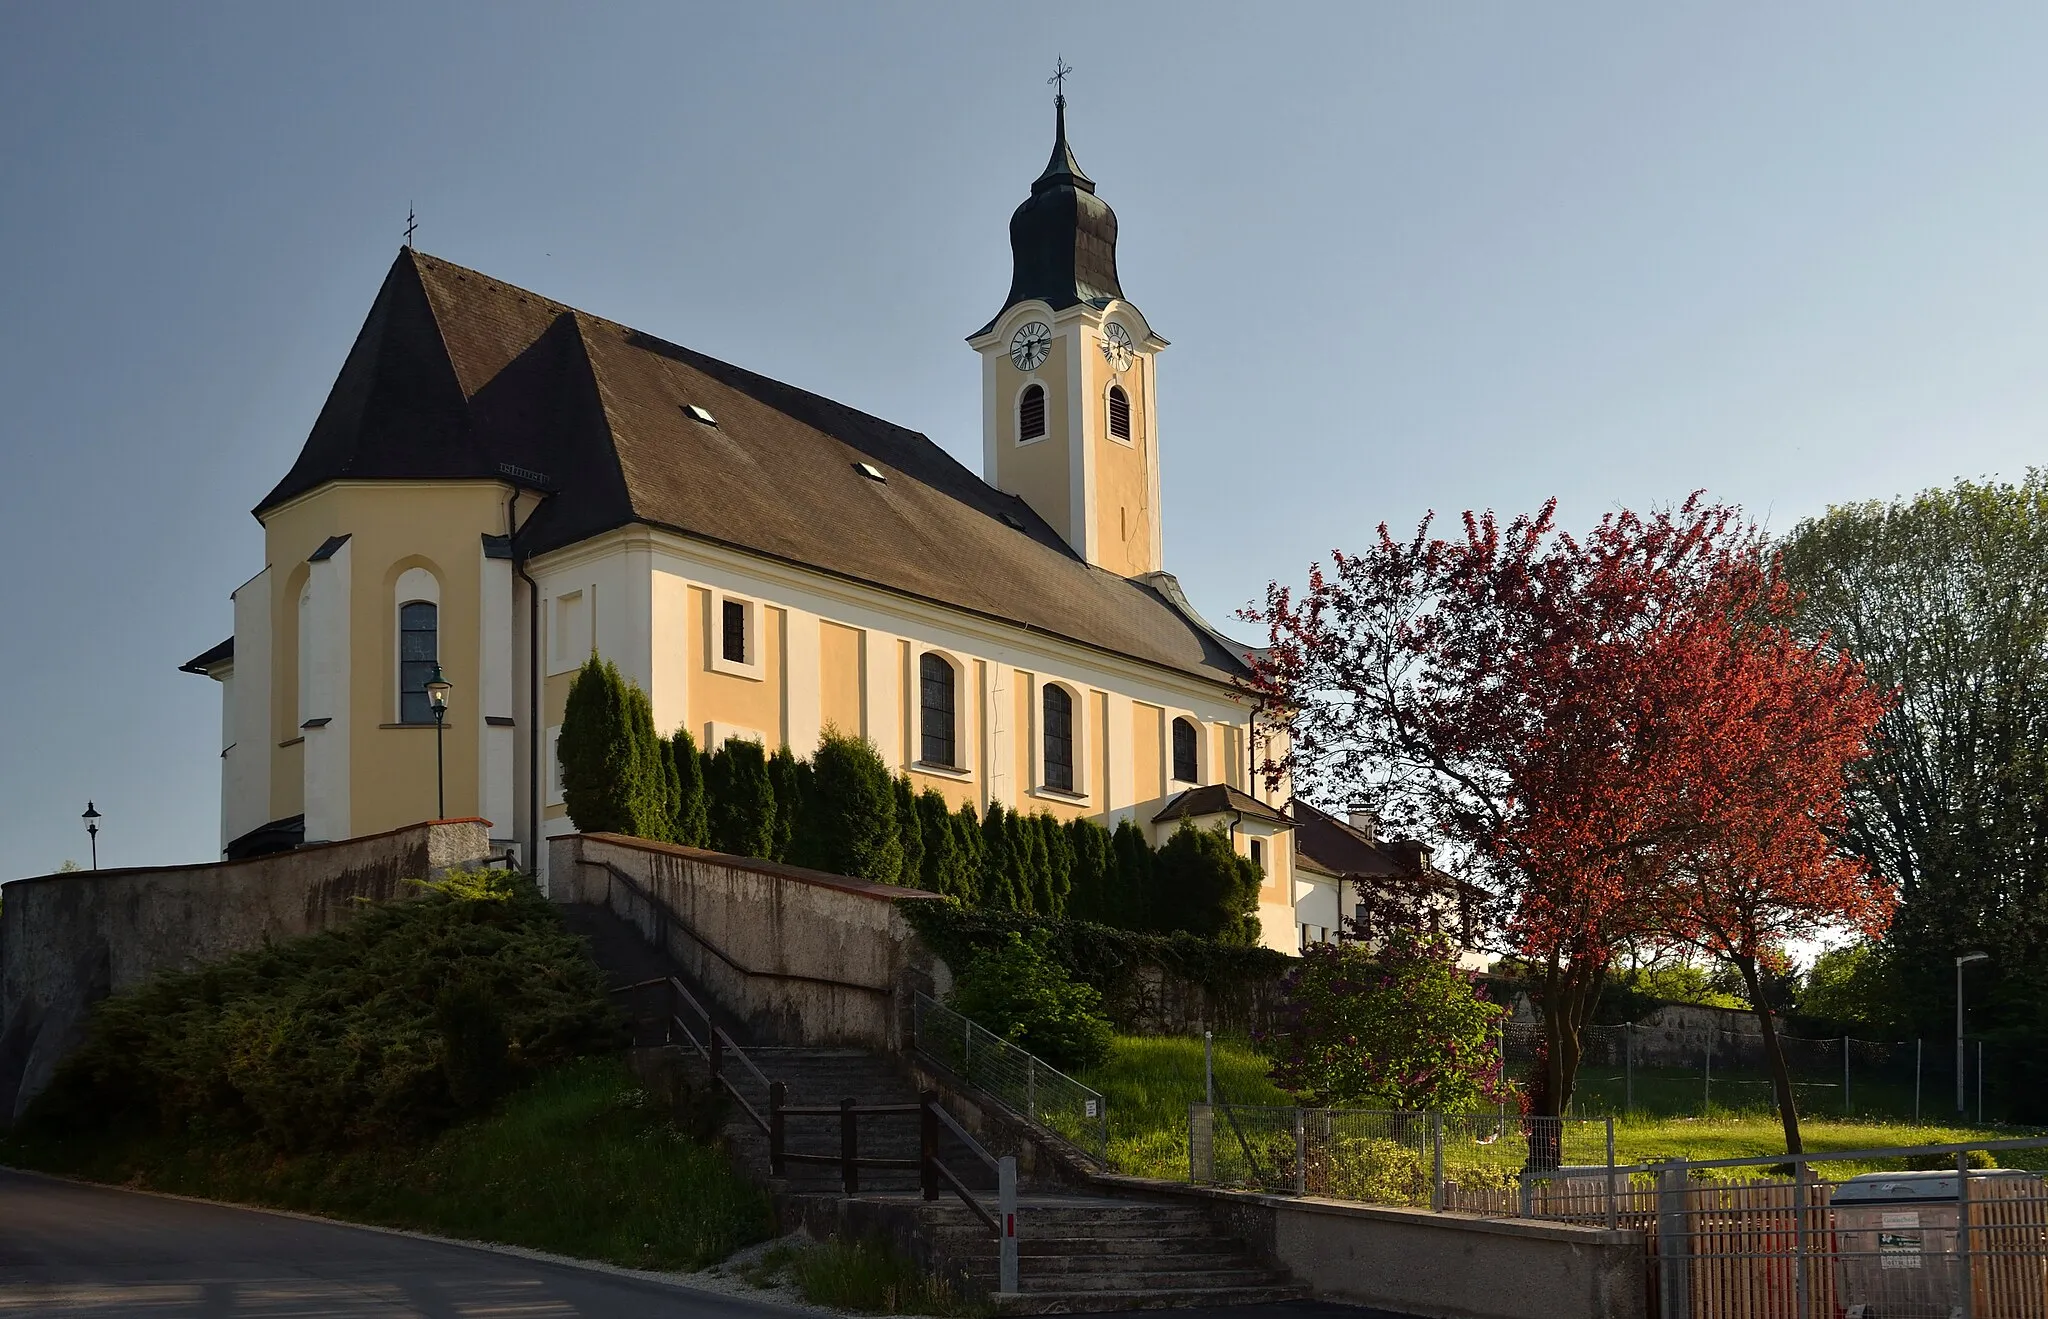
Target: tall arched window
(1031, 413)
(1119, 413)
(935, 711)
(1186, 765)
(1059, 738)
(419, 648)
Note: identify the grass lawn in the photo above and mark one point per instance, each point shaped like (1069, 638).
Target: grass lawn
(1149, 1083)
(580, 1163)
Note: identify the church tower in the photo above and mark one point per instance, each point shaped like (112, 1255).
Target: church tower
(1068, 415)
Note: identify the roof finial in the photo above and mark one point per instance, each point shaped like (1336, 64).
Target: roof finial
(411, 224)
(1058, 81)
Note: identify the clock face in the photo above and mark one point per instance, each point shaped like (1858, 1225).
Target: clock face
(1031, 345)
(1116, 345)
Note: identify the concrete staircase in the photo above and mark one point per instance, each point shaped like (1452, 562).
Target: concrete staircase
(1077, 1253)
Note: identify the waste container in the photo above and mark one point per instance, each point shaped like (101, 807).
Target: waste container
(1895, 1243)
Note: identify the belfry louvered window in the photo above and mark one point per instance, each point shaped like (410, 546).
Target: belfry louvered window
(935, 711)
(1186, 765)
(1031, 413)
(1059, 738)
(419, 647)
(1119, 413)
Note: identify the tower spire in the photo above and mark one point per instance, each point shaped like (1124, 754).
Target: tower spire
(1062, 170)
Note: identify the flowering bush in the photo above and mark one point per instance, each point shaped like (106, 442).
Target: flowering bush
(1402, 1027)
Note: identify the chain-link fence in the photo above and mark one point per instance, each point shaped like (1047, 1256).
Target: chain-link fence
(1693, 1071)
(1479, 1163)
(1026, 1084)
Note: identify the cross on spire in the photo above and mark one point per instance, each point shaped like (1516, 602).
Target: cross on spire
(1058, 81)
(411, 223)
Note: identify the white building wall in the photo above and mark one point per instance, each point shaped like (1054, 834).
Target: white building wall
(245, 769)
(326, 698)
(497, 724)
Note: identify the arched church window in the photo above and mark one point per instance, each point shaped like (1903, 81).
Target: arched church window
(1059, 738)
(1186, 765)
(1119, 413)
(419, 648)
(935, 711)
(1031, 413)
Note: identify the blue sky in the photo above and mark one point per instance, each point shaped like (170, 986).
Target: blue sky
(1413, 257)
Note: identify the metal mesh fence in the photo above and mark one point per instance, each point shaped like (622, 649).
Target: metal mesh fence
(1688, 1071)
(1027, 1085)
(1479, 1163)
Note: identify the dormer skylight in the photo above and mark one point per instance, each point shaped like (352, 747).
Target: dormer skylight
(871, 472)
(699, 414)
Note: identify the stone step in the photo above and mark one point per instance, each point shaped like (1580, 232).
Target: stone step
(1175, 1248)
(1201, 1270)
(1096, 1302)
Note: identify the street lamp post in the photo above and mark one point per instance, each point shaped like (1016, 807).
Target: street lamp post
(437, 697)
(1962, 961)
(92, 831)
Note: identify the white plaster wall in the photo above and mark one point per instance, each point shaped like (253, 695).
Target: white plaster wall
(245, 771)
(497, 744)
(326, 754)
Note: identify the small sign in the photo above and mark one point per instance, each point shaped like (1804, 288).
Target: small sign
(1091, 1108)
(1897, 1249)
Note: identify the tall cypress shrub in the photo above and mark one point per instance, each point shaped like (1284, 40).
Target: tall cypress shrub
(611, 771)
(967, 845)
(998, 860)
(909, 833)
(1090, 895)
(852, 817)
(789, 802)
(742, 800)
(1131, 899)
(692, 823)
(1215, 891)
(938, 869)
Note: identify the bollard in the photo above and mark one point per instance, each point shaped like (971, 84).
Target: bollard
(1674, 1282)
(1613, 1192)
(1006, 1214)
(1436, 1178)
(1300, 1154)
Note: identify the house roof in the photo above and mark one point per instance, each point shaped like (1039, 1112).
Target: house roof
(1219, 799)
(1337, 847)
(209, 658)
(458, 375)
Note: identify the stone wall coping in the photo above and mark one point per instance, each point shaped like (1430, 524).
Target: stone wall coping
(865, 888)
(310, 849)
(1449, 1220)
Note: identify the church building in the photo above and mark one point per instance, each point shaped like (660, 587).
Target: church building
(499, 485)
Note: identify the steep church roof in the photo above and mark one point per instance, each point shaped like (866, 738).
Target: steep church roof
(457, 375)
(1062, 237)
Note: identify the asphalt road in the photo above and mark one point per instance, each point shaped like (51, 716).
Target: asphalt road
(73, 1250)
(93, 1251)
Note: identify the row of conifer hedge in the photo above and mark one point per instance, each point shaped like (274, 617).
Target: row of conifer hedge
(841, 810)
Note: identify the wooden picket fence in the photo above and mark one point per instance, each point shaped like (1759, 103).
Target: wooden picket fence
(1742, 1245)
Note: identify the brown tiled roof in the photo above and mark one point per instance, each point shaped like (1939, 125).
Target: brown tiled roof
(455, 374)
(1216, 799)
(1336, 847)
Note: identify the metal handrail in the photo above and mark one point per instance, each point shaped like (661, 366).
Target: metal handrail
(713, 1047)
(1039, 1076)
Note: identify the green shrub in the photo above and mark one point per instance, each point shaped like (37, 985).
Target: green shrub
(612, 779)
(1399, 1027)
(409, 1016)
(1201, 885)
(742, 800)
(1019, 993)
(851, 817)
(909, 833)
(692, 823)
(789, 804)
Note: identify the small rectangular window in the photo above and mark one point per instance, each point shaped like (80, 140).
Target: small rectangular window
(733, 638)
(1259, 853)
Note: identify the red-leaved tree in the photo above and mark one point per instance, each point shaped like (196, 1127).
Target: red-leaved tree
(1774, 728)
(1538, 703)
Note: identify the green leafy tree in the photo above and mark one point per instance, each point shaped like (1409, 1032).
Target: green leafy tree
(611, 768)
(1201, 885)
(692, 823)
(1944, 599)
(999, 866)
(1401, 1028)
(1851, 988)
(742, 800)
(852, 816)
(941, 867)
(967, 843)
(1016, 990)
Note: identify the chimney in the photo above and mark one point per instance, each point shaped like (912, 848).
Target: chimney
(1367, 823)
